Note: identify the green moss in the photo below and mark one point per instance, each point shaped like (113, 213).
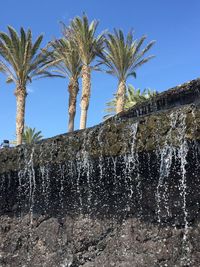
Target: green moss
(112, 138)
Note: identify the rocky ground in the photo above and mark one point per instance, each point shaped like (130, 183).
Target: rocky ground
(87, 242)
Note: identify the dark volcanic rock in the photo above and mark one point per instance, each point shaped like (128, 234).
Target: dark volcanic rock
(85, 241)
(123, 193)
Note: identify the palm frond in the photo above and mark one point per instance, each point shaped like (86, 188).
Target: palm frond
(21, 59)
(65, 57)
(83, 34)
(8, 71)
(37, 45)
(31, 135)
(122, 55)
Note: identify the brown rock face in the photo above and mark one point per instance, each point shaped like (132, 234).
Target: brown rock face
(123, 193)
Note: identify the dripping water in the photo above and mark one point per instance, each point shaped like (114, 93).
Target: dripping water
(84, 168)
(45, 175)
(101, 144)
(166, 155)
(100, 139)
(32, 183)
(78, 170)
(87, 167)
(182, 154)
(27, 185)
(62, 179)
(114, 162)
(132, 168)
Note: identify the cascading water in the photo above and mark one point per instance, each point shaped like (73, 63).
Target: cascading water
(182, 154)
(179, 153)
(101, 144)
(27, 181)
(87, 164)
(62, 178)
(166, 154)
(132, 165)
(27, 185)
(32, 183)
(44, 170)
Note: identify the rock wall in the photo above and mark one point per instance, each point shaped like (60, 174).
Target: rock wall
(123, 193)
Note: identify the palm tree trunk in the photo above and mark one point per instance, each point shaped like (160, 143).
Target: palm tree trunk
(73, 91)
(121, 92)
(86, 85)
(20, 94)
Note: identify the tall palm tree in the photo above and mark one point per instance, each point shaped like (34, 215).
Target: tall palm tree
(123, 56)
(88, 46)
(65, 58)
(132, 97)
(21, 61)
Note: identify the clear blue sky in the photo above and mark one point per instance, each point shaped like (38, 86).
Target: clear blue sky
(174, 24)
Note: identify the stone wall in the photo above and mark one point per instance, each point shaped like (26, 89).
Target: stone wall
(123, 193)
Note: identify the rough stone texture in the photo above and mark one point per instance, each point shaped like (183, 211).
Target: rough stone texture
(87, 242)
(123, 193)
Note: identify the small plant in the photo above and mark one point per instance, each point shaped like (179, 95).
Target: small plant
(29, 136)
(133, 96)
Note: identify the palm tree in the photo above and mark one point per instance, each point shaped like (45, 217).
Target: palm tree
(88, 46)
(122, 57)
(21, 62)
(30, 135)
(132, 97)
(65, 58)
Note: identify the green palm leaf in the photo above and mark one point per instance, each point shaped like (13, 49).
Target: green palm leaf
(65, 57)
(30, 135)
(20, 56)
(133, 97)
(123, 55)
(83, 34)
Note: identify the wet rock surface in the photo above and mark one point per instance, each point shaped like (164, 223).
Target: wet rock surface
(123, 193)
